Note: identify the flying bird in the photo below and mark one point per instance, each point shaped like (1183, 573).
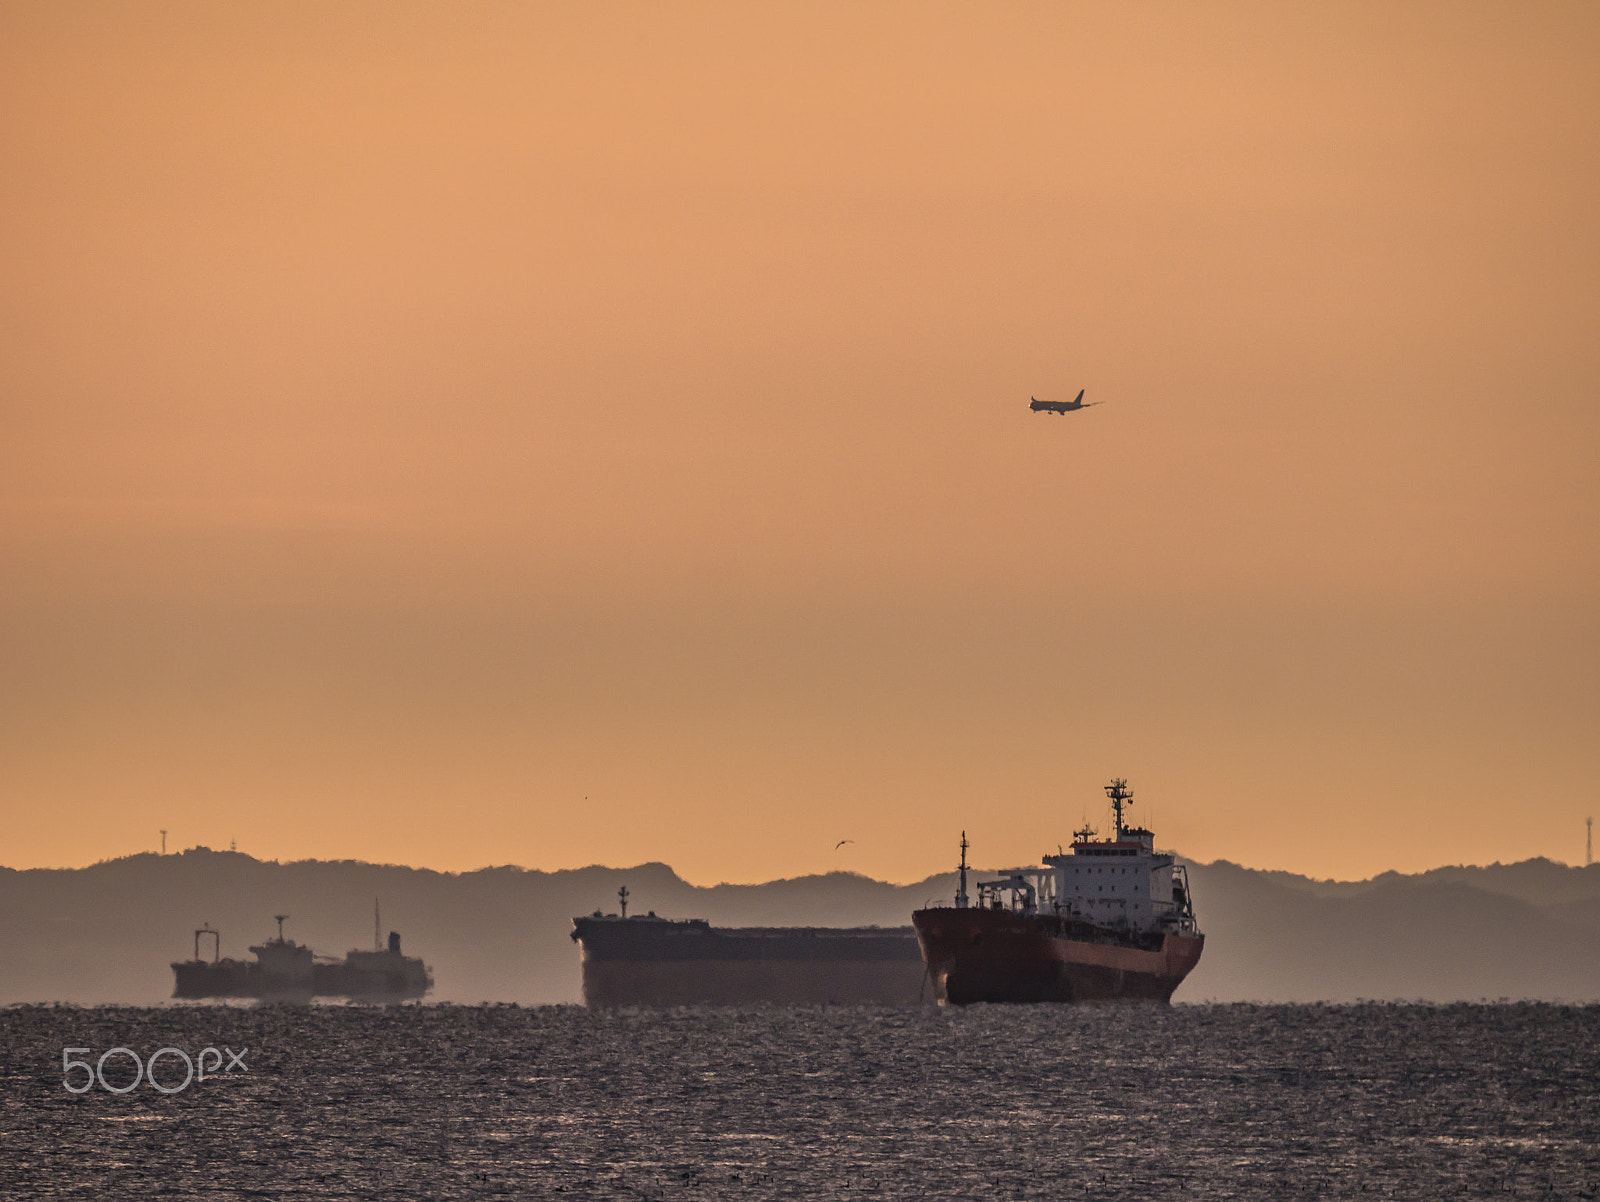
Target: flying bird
(841, 843)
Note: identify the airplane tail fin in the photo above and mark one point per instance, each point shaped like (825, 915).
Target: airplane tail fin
(1079, 398)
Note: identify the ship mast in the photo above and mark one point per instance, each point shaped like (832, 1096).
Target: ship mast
(1120, 796)
(961, 889)
(622, 896)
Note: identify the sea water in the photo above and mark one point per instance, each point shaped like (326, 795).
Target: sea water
(1187, 1101)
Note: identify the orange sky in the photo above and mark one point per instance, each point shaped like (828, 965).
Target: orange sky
(551, 435)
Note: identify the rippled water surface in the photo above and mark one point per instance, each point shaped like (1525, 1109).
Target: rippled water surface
(1025, 1102)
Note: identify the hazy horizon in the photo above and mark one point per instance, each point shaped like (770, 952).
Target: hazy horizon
(110, 932)
(973, 867)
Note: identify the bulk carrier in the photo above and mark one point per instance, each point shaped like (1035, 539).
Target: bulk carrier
(650, 961)
(1111, 921)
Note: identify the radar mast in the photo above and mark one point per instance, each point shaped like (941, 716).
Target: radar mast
(1120, 796)
(961, 889)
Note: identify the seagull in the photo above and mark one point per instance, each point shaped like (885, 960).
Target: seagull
(841, 843)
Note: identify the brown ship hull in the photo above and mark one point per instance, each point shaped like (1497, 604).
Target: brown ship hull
(195, 980)
(650, 961)
(975, 955)
(743, 982)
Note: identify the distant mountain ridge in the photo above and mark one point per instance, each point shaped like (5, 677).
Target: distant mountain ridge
(1539, 881)
(108, 932)
(1463, 933)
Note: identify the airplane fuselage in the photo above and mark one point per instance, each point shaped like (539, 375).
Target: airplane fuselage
(1039, 406)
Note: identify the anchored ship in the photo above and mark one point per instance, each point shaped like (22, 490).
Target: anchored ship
(650, 961)
(280, 972)
(381, 975)
(286, 971)
(1111, 921)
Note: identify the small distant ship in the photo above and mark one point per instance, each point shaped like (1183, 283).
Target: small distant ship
(280, 972)
(381, 975)
(1112, 921)
(286, 971)
(650, 961)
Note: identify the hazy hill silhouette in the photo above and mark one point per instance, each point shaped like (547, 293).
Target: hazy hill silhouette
(107, 933)
(1524, 930)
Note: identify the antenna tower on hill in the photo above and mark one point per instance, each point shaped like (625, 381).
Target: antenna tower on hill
(1588, 842)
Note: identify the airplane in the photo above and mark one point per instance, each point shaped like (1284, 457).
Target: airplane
(1062, 406)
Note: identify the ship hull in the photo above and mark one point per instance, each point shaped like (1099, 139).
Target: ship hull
(379, 977)
(201, 979)
(643, 963)
(975, 955)
(745, 982)
(195, 980)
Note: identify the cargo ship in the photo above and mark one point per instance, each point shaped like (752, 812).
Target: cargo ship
(1113, 920)
(280, 972)
(648, 961)
(381, 975)
(286, 971)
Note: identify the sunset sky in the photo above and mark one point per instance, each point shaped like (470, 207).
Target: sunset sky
(563, 434)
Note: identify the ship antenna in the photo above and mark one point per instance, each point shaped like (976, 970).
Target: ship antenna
(280, 918)
(1120, 796)
(961, 889)
(622, 896)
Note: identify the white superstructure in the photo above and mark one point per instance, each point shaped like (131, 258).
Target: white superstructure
(1121, 882)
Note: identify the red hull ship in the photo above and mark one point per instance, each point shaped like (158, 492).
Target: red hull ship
(1113, 921)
